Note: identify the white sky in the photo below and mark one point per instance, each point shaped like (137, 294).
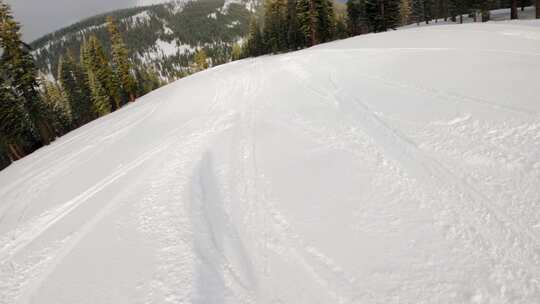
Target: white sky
(40, 17)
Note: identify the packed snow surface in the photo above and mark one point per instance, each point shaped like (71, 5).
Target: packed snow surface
(401, 167)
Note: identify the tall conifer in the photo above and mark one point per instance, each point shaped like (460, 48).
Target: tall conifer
(120, 60)
(73, 80)
(18, 66)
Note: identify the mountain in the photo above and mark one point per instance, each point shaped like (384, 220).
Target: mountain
(400, 167)
(164, 36)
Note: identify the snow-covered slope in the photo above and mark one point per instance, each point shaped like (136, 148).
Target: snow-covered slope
(389, 168)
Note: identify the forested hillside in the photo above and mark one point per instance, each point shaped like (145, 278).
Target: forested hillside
(164, 37)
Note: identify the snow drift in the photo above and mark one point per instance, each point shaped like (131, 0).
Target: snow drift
(401, 167)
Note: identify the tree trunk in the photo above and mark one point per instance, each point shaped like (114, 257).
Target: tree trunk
(45, 132)
(383, 16)
(313, 23)
(537, 9)
(485, 16)
(15, 153)
(460, 19)
(513, 10)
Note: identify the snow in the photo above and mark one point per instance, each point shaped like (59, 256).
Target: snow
(177, 6)
(400, 167)
(167, 48)
(167, 30)
(233, 24)
(164, 49)
(138, 19)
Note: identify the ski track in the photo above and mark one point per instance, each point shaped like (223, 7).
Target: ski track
(59, 164)
(434, 173)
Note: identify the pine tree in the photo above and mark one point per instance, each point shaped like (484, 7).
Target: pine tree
(255, 43)
(382, 15)
(356, 17)
(16, 126)
(100, 100)
(121, 63)
(316, 20)
(201, 60)
(148, 79)
(308, 15)
(428, 11)
(457, 8)
(56, 99)
(275, 25)
(74, 83)
(417, 12)
(294, 35)
(341, 31)
(236, 52)
(327, 21)
(18, 64)
(422, 10)
(95, 62)
(405, 11)
(537, 5)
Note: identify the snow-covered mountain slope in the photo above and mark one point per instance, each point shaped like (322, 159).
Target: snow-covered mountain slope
(163, 37)
(401, 167)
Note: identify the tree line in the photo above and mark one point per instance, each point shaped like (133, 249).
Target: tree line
(288, 25)
(35, 110)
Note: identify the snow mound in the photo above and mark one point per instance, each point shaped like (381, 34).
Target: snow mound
(401, 167)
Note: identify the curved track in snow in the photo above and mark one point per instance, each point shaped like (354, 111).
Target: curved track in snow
(393, 168)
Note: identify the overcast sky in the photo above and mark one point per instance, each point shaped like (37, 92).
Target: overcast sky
(40, 17)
